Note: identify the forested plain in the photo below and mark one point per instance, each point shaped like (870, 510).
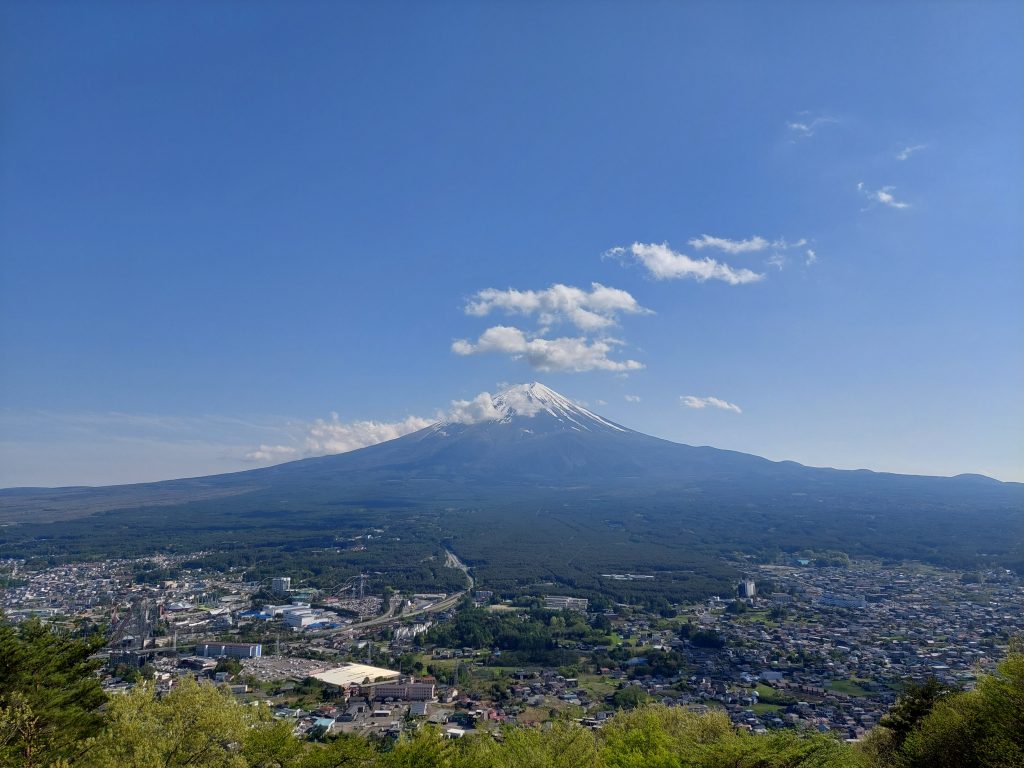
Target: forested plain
(518, 541)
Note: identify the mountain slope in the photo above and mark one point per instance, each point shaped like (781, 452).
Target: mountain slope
(531, 439)
(531, 490)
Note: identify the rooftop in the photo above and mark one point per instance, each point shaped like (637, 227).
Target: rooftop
(354, 674)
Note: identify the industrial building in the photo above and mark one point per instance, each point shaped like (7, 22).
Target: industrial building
(234, 650)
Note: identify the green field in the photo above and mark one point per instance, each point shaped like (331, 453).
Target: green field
(849, 687)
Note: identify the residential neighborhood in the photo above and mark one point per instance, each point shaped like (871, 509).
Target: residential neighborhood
(797, 646)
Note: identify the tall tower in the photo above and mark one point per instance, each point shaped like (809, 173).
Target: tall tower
(747, 588)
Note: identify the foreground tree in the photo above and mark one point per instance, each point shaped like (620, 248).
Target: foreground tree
(913, 706)
(49, 696)
(661, 737)
(983, 728)
(195, 725)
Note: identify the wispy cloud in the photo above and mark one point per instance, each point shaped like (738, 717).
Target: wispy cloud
(572, 354)
(692, 401)
(906, 152)
(266, 454)
(588, 310)
(776, 260)
(755, 243)
(662, 263)
(805, 127)
(883, 196)
(631, 398)
(750, 245)
(810, 257)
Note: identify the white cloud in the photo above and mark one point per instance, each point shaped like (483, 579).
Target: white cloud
(883, 196)
(665, 264)
(632, 398)
(335, 436)
(562, 354)
(755, 243)
(268, 453)
(810, 257)
(804, 128)
(691, 401)
(906, 152)
(776, 260)
(480, 408)
(587, 310)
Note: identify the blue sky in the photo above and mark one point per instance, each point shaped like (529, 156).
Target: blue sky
(222, 223)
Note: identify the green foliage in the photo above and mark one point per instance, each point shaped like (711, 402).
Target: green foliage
(229, 665)
(913, 705)
(532, 639)
(736, 607)
(563, 746)
(343, 752)
(193, 725)
(49, 696)
(983, 728)
(660, 737)
(630, 697)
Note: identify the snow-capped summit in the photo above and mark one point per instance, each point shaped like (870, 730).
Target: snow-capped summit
(534, 399)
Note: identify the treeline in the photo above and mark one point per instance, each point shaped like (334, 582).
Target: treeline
(529, 637)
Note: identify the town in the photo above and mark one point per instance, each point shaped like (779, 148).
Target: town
(802, 645)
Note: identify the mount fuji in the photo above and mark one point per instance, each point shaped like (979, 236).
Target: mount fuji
(531, 448)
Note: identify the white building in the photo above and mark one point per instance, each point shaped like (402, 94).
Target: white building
(747, 588)
(234, 650)
(299, 616)
(561, 602)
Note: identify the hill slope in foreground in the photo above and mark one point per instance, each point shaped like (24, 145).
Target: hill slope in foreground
(539, 478)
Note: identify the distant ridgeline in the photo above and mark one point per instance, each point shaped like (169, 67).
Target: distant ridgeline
(545, 491)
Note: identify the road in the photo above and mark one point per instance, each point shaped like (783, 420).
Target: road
(451, 561)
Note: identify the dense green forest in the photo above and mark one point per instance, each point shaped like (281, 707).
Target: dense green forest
(513, 551)
(405, 546)
(53, 714)
(524, 543)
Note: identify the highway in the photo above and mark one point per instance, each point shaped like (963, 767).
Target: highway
(452, 561)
